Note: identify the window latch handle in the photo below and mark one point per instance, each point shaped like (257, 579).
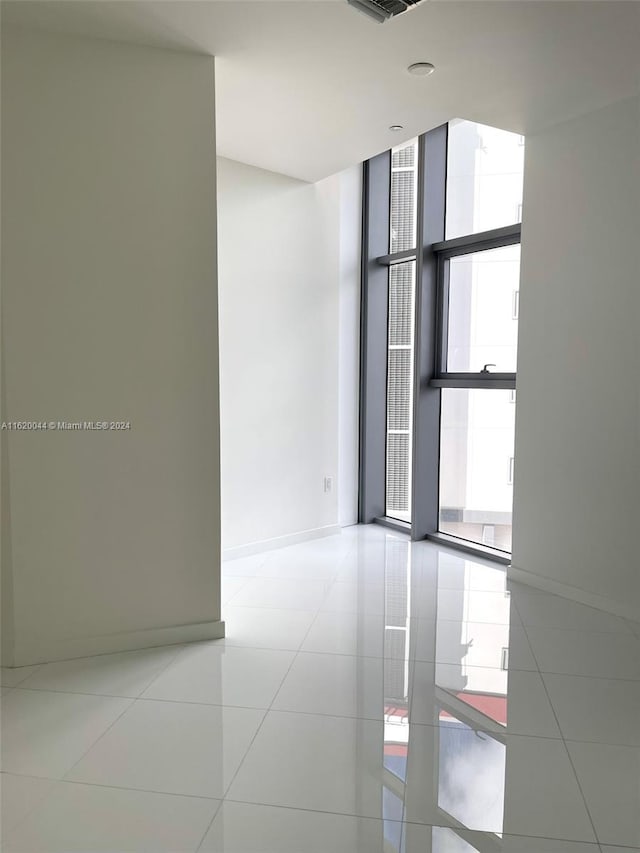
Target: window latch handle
(485, 369)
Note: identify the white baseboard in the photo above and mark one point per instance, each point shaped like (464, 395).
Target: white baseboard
(279, 542)
(66, 648)
(573, 593)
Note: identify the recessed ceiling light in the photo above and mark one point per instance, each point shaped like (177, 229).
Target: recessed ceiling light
(421, 69)
(396, 127)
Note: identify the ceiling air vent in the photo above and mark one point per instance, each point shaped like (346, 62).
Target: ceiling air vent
(382, 10)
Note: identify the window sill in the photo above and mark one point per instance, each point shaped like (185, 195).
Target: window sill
(473, 548)
(394, 524)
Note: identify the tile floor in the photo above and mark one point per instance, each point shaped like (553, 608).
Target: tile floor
(371, 696)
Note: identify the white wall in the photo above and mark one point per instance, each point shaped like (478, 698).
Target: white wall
(577, 481)
(281, 262)
(110, 313)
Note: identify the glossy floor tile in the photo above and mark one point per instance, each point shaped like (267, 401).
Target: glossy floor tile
(371, 694)
(45, 733)
(319, 562)
(171, 747)
(482, 606)
(346, 634)
(77, 818)
(493, 783)
(579, 652)
(313, 762)
(446, 840)
(607, 848)
(516, 702)
(457, 571)
(338, 685)
(351, 597)
(308, 761)
(561, 613)
(19, 795)
(231, 586)
(124, 674)
(288, 593)
(596, 709)
(13, 677)
(245, 828)
(529, 711)
(267, 628)
(223, 675)
(243, 567)
(610, 780)
(477, 644)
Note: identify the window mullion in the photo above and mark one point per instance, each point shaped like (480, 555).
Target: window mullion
(397, 257)
(473, 380)
(478, 242)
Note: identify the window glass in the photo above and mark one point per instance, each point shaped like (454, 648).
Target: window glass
(476, 465)
(481, 326)
(484, 178)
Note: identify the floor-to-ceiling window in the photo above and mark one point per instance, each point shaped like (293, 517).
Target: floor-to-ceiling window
(451, 205)
(478, 293)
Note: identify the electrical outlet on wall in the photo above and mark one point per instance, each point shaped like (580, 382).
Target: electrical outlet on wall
(328, 483)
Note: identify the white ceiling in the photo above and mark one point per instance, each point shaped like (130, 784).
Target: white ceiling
(308, 88)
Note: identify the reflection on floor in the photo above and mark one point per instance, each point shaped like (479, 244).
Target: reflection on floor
(372, 696)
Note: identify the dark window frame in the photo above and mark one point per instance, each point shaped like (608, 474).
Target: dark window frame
(445, 251)
(432, 255)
